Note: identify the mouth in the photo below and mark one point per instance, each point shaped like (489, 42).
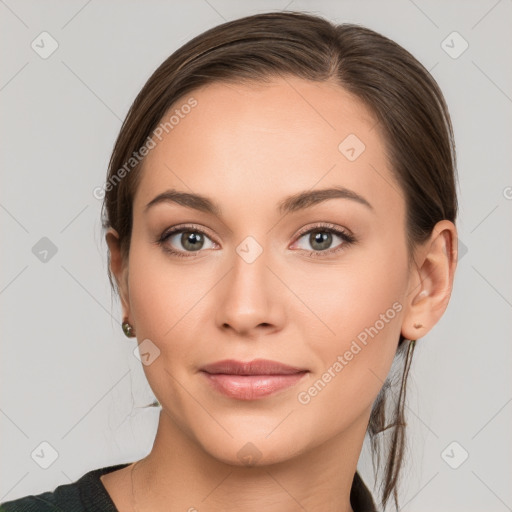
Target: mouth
(251, 380)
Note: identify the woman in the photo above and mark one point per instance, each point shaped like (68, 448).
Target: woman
(280, 214)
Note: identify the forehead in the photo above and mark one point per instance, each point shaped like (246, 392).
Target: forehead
(261, 141)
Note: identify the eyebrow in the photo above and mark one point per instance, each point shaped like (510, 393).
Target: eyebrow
(293, 203)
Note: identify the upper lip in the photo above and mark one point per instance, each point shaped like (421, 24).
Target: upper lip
(255, 367)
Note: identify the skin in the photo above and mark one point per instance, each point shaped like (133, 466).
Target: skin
(247, 147)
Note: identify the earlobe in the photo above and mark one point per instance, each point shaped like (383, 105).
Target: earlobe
(431, 281)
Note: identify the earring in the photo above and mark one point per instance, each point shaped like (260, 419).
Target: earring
(418, 326)
(128, 329)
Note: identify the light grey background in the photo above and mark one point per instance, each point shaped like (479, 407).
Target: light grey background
(68, 374)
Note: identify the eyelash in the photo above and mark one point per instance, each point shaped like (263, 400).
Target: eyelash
(347, 238)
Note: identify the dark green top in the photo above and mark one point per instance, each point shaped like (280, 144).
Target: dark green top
(88, 494)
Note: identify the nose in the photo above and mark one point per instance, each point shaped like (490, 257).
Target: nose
(251, 299)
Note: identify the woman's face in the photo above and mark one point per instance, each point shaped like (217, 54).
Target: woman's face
(263, 276)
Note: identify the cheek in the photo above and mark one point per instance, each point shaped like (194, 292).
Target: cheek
(345, 299)
(166, 301)
(358, 313)
(161, 294)
(150, 300)
(161, 301)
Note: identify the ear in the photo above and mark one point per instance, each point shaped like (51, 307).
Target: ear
(119, 269)
(431, 281)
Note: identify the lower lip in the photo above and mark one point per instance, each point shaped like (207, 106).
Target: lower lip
(251, 387)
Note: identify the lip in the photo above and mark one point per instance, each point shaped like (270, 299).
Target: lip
(254, 367)
(251, 380)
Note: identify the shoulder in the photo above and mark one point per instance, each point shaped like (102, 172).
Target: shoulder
(40, 503)
(85, 494)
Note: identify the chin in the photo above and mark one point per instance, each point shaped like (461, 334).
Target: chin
(244, 452)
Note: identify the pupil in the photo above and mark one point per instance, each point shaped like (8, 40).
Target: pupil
(322, 238)
(191, 240)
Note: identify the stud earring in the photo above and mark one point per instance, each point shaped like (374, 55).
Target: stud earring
(418, 326)
(128, 329)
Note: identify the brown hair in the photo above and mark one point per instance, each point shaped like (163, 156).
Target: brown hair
(413, 121)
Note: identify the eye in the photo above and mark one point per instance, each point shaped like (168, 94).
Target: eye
(184, 241)
(180, 240)
(321, 238)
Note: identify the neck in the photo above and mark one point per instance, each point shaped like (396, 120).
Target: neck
(179, 472)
